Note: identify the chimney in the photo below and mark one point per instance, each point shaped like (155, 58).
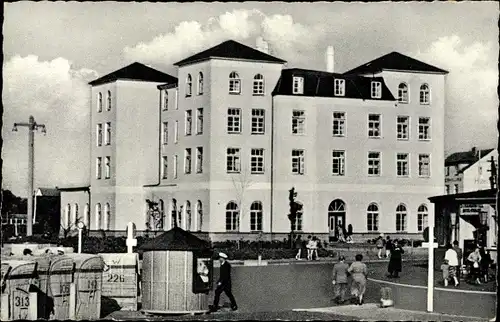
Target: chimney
(474, 152)
(330, 63)
(262, 45)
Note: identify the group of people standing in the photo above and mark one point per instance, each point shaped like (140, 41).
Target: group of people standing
(311, 246)
(478, 264)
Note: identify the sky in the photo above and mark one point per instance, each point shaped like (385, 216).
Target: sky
(53, 49)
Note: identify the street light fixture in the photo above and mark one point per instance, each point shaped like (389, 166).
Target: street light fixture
(32, 127)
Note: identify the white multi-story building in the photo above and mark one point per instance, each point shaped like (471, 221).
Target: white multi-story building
(221, 147)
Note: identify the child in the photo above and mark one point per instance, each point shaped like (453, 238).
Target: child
(446, 271)
(309, 246)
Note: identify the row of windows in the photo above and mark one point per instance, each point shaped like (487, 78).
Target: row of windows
(372, 216)
(107, 168)
(234, 84)
(374, 125)
(71, 216)
(185, 223)
(452, 189)
(13, 221)
(100, 103)
(107, 134)
(188, 128)
(187, 163)
(233, 162)
(375, 90)
(404, 94)
(234, 122)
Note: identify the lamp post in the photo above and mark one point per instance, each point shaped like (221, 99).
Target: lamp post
(32, 127)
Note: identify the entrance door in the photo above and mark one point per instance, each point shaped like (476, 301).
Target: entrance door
(336, 218)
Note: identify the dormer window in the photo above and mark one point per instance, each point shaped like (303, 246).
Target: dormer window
(298, 85)
(376, 89)
(403, 93)
(189, 85)
(234, 83)
(339, 87)
(425, 94)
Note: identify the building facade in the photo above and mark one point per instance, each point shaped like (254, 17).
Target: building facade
(220, 148)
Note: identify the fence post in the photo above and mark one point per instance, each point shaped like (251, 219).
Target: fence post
(72, 301)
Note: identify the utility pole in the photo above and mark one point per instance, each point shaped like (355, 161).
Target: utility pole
(32, 127)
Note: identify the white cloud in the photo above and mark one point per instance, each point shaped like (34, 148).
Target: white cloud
(57, 96)
(472, 101)
(287, 39)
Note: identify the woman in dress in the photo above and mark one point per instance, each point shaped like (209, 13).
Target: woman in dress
(358, 271)
(395, 262)
(474, 259)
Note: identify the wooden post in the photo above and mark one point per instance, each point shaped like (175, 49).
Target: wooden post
(72, 301)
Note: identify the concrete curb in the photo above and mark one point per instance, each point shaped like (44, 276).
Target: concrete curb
(290, 261)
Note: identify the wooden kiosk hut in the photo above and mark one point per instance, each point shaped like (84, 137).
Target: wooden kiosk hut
(177, 274)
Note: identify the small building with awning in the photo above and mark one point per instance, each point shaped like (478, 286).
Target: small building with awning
(469, 217)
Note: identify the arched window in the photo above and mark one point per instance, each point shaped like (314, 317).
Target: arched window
(336, 206)
(403, 93)
(98, 216)
(425, 94)
(173, 213)
(372, 217)
(161, 209)
(258, 84)
(200, 83)
(107, 216)
(297, 225)
(199, 209)
(188, 215)
(189, 85)
(99, 102)
(109, 101)
(165, 100)
(86, 216)
(401, 216)
(232, 217)
(67, 217)
(75, 215)
(422, 217)
(256, 216)
(234, 83)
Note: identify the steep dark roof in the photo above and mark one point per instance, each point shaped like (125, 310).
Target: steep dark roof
(482, 196)
(467, 157)
(136, 71)
(395, 61)
(82, 188)
(230, 49)
(321, 84)
(176, 239)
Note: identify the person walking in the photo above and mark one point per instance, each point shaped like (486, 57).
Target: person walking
(474, 259)
(451, 257)
(380, 245)
(388, 246)
(224, 284)
(298, 246)
(460, 255)
(395, 261)
(358, 271)
(340, 280)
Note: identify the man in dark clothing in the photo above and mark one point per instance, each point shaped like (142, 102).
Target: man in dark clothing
(224, 284)
(459, 257)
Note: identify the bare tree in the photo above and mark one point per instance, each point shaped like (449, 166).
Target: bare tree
(241, 182)
(70, 227)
